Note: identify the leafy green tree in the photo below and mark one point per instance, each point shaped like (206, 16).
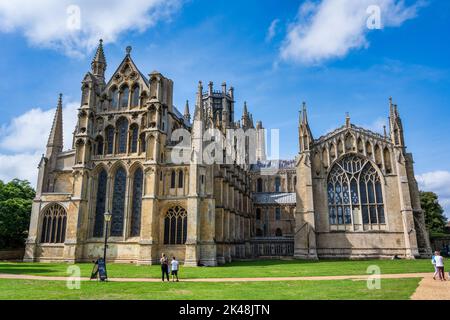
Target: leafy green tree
(434, 214)
(16, 199)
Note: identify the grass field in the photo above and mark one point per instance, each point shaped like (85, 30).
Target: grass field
(391, 289)
(259, 268)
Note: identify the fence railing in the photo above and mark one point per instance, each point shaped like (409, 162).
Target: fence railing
(277, 246)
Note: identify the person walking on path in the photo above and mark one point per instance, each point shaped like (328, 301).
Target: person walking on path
(174, 265)
(433, 261)
(440, 265)
(164, 267)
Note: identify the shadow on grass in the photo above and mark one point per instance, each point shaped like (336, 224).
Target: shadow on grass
(28, 268)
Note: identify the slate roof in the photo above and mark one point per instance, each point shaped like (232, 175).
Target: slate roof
(275, 198)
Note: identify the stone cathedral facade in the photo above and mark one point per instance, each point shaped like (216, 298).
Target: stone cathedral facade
(349, 194)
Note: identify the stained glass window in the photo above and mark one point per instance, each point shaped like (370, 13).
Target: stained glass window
(137, 203)
(134, 138)
(54, 221)
(109, 140)
(100, 206)
(122, 127)
(175, 226)
(354, 186)
(114, 98)
(118, 202)
(124, 97)
(135, 98)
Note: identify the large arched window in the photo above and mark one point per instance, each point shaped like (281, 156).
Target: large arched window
(354, 191)
(125, 93)
(118, 202)
(135, 96)
(122, 132)
(100, 206)
(54, 222)
(175, 226)
(134, 138)
(109, 140)
(137, 203)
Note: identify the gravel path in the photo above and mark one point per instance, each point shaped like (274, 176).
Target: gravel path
(430, 289)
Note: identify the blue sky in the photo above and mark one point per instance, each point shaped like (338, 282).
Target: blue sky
(276, 55)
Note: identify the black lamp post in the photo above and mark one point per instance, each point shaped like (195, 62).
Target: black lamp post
(107, 216)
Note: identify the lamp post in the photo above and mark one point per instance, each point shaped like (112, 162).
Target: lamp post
(107, 215)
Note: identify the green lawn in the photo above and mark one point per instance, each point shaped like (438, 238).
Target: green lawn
(391, 289)
(259, 268)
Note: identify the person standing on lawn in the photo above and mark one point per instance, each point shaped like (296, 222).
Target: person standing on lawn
(440, 265)
(164, 267)
(174, 265)
(433, 261)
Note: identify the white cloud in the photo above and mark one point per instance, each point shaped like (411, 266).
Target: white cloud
(23, 141)
(272, 30)
(377, 125)
(438, 182)
(76, 25)
(329, 29)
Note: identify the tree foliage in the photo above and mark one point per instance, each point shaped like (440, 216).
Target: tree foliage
(16, 199)
(434, 214)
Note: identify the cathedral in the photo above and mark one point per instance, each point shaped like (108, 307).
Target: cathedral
(349, 194)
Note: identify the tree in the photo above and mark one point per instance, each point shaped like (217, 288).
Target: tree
(434, 214)
(16, 199)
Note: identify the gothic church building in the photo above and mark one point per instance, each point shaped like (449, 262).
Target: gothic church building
(348, 194)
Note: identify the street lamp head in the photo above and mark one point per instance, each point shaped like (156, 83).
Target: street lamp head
(107, 215)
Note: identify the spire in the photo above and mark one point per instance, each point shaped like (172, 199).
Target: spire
(55, 140)
(187, 115)
(305, 135)
(347, 120)
(98, 64)
(395, 125)
(305, 115)
(198, 113)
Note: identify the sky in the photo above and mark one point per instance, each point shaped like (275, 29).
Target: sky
(338, 56)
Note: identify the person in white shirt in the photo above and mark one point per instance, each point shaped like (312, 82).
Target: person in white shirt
(174, 264)
(440, 265)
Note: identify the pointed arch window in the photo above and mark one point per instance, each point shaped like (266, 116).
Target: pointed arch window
(180, 179)
(114, 93)
(135, 96)
(175, 226)
(354, 189)
(277, 184)
(142, 143)
(54, 223)
(100, 146)
(137, 203)
(100, 206)
(134, 138)
(259, 185)
(172, 179)
(124, 96)
(118, 202)
(122, 127)
(109, 140)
